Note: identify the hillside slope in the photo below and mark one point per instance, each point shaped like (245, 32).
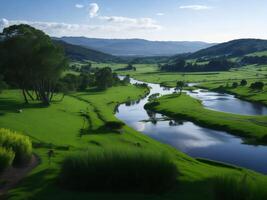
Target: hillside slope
(136, 47)
(232, 48)
(75, 52)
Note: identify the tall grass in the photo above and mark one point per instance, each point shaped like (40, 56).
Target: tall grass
(119, 171)
(6, 158)
(233, 188)
(19, 144)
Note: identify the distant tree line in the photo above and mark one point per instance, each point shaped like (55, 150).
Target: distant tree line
(101, 79)
(180, 65)
(254, 60)
(258, 85)
(129, 67)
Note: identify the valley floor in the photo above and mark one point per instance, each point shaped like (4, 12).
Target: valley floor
(59, 127)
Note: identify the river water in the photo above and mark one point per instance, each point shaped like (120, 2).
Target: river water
(192, 139)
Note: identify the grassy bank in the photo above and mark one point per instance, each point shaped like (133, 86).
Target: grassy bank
(59, 127)
(242, 92)
(252, 128)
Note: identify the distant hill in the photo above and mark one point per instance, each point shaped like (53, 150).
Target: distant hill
(76, 52)
(136, 47)
(239, 47)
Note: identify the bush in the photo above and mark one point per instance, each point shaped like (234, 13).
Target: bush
(118, 171)
(235, 85)
(19, 144)
(6, 158)
(257, 85)
(113, 125)
(243, 82)
(233, 188)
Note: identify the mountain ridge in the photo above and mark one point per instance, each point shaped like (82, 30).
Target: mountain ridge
(137, 47)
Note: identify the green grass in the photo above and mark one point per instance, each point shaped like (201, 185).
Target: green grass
(113, 170)
(253, 128)
(259, 53)
(59, 126)
(239, 188)
(18, 143)
(151, 73)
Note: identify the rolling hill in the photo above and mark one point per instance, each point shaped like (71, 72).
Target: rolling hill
(75, 52)
(136, 47)
(234, 48)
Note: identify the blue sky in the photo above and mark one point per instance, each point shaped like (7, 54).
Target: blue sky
(180, 20)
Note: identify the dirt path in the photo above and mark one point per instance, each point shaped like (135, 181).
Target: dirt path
(11, 177)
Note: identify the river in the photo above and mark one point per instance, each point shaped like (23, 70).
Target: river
(192, 139)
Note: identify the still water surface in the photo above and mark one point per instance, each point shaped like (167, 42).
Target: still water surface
(192, 139)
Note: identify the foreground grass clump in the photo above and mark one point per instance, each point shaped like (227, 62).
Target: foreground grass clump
(19, 144)
(119, 171)
(6, 158)
(233, 188)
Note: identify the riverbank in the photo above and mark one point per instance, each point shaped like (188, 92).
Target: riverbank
(253, 129)
(241, 92)
(59, 125)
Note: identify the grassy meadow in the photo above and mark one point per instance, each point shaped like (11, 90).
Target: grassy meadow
(59, 126)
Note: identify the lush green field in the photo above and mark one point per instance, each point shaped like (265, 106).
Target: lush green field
(253, 128)
(59, 125)
(151, 73)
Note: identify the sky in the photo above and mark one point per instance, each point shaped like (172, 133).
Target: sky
(164, 20)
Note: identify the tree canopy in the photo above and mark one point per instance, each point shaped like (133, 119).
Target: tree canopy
(31, 62)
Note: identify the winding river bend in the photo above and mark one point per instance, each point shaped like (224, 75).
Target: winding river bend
(192, 139)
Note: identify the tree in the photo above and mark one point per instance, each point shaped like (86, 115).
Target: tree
(32, 62)
(3, 85)
(126, 80)
(180, 85)
(104, 78)
(257, 85)
(235, 85)
(243, 82)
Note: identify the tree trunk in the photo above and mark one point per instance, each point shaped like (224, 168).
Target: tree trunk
(28, 93)
(25, 96)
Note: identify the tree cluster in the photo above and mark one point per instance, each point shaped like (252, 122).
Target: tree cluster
(129, 67)
(31, 61)
(180, 65)
(258, 85)
(260, 60)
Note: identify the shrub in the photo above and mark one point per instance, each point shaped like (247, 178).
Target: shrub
(19, 144)
(6, 158)
(235, 85)
(243, 82)
(233, 188)
(257, 85)
(114, 125)
(118, 171)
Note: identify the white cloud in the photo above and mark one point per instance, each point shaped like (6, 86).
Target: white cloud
(93, 10)
(160, 14)
(3, 23)
(196, 7)
(117, 27)
(79, 6)
(136, 23)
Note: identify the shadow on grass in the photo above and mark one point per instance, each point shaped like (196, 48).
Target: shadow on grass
(12, 106)
(41, 186)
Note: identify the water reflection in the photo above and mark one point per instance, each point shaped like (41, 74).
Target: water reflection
(194, 140)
